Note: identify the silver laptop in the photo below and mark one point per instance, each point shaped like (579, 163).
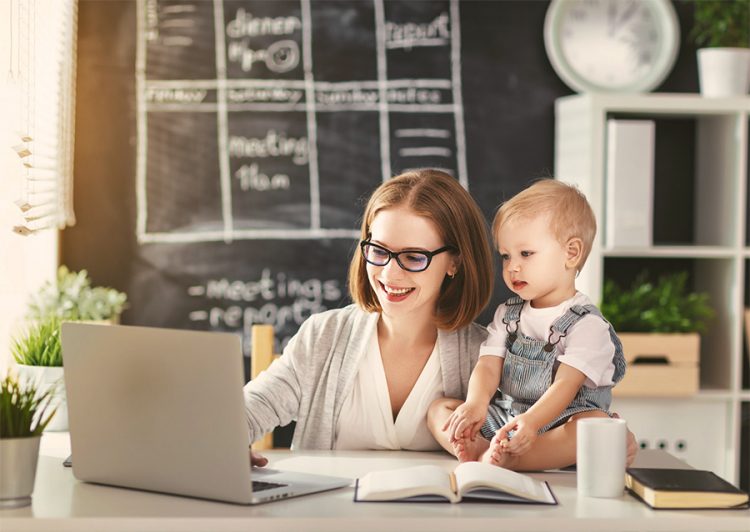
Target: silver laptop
(163, 410)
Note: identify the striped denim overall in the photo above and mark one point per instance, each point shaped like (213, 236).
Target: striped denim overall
(529, 370)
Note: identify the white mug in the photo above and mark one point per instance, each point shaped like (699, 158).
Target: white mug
(601, 447)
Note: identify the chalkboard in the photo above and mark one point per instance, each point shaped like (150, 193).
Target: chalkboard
(225, 149)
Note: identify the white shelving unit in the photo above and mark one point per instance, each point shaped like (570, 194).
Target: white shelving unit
(704, 429)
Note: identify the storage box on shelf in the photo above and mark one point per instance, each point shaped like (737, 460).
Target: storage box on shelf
(717, 251)
(659, 365)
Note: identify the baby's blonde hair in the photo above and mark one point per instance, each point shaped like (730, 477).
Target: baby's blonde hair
(569, 212)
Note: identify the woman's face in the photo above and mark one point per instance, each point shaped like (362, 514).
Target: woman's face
(401, 292)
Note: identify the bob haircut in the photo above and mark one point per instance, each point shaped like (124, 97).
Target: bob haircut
(440, 198)
(570, 214)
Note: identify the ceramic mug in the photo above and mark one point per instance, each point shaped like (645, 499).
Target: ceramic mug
(601, 451)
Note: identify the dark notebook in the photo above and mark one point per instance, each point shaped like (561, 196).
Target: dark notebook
(684, 488)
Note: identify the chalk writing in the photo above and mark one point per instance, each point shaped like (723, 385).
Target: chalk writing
(152, 20)
(245, 85)
(167, 95)
(353, 95)
(244, 24)
(408, 35)
(251, 178)
(264, 94)
(280, 57)
(276, 299)
(272, 145)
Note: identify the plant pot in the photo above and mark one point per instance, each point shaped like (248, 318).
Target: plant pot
(44, 377)
(18, 459)
(724, 72)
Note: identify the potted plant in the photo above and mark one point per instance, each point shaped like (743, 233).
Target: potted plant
(37, 350)
(659, 325)
(722, 28)
(71, 297)
(24, 413)
(38, 353)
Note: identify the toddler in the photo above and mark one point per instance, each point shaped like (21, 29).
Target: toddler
(550, 357)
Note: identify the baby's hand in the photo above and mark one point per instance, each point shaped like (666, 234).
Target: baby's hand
(523, 438)
(465, 421)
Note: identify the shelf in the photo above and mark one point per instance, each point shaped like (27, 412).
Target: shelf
(662, 103)
(702, 395)
(674, 252)
(715, 395)
(701, 203)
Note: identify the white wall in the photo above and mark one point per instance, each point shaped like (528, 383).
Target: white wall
(25, 261)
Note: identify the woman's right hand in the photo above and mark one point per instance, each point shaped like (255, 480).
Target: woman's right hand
(465, 421)
(257, 460)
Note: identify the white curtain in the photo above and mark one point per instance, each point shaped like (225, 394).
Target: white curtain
(40, 108)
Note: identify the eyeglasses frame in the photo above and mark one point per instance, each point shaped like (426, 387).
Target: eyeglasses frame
(395, 255)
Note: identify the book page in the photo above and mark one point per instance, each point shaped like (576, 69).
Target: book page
(406, 482)
(473, 475)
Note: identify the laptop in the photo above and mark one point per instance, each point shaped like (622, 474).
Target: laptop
(163, 410)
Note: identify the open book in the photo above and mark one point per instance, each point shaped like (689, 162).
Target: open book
(470, 480)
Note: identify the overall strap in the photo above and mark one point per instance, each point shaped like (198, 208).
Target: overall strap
(512, 317)
(559, 329)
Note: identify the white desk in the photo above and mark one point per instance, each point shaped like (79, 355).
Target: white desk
(61, 503)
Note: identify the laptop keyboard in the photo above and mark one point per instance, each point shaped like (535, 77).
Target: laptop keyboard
(262, 486)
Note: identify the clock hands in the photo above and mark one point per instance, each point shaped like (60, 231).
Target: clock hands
(615, 21)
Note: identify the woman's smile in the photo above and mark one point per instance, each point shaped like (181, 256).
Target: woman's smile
(394, 294)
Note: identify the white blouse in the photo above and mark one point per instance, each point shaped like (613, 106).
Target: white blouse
(366, 419)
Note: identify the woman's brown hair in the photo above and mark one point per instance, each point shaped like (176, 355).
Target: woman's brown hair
(440, 198)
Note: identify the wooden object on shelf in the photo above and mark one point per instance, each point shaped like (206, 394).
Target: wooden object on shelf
(659, 365)
(262, 355)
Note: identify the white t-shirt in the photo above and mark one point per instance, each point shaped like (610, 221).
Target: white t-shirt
(366, 419)
(587, 346)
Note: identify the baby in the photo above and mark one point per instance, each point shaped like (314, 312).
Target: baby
(550, 357)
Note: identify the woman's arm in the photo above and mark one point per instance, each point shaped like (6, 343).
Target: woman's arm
(273, 398)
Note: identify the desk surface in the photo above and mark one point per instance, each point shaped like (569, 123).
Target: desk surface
(62, 503)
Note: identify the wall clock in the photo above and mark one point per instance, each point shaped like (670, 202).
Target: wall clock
(611, 45)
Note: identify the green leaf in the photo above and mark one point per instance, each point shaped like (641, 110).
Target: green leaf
(24, 409)
(39, 345)
(664, 306)
(71, 297)
(722, 23)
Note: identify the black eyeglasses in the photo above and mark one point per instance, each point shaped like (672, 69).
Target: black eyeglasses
(411, 260)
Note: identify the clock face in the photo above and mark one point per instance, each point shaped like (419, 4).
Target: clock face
(611, 45)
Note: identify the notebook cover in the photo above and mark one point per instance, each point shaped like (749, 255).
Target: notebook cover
(682, 480)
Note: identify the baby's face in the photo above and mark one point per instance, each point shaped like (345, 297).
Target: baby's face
(534, 261)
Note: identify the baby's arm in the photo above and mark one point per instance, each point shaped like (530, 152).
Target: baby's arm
(551, 404)
(468, 417)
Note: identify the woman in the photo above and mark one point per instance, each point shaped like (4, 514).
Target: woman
(363, 377)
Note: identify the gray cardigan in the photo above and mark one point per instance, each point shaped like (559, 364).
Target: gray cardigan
(316, 372)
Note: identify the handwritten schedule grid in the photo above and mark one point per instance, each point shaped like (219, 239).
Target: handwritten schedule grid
(305, 104)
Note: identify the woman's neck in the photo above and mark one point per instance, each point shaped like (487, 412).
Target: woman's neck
(407, 332)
